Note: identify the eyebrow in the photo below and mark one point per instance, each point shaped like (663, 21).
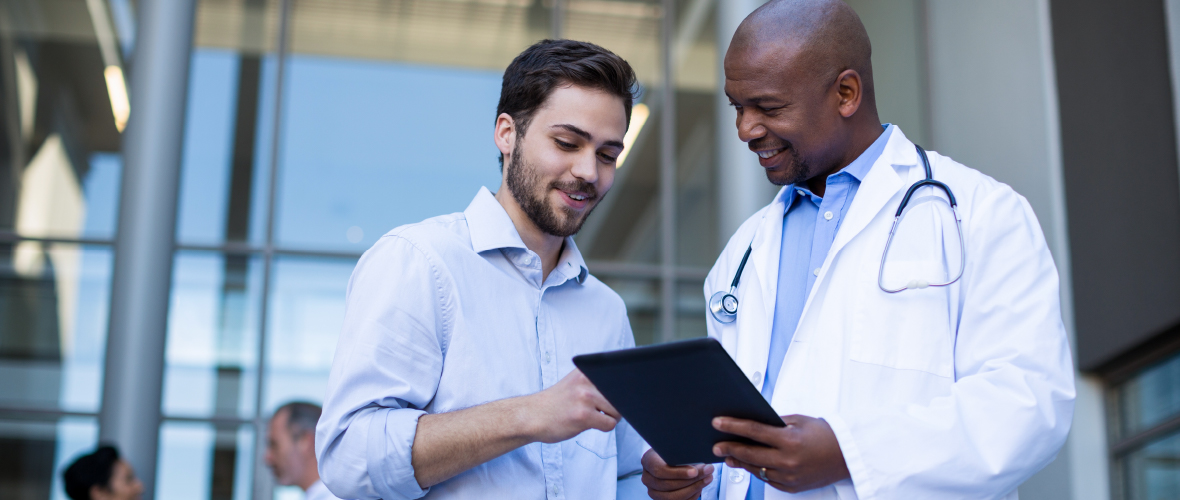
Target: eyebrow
(586, 135)
(760, 99)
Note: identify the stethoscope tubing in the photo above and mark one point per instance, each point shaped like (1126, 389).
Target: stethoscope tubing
(723, 304)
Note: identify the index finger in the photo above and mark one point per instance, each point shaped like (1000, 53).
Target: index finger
(757, 431)
(655, 465)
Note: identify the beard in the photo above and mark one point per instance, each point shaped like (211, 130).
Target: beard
(525, 183)
(796, 171)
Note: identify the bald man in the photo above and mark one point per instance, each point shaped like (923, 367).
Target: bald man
(952, 390)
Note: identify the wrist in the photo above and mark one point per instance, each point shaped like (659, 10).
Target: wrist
(524, 417)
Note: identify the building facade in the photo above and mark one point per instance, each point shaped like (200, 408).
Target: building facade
(185, 187)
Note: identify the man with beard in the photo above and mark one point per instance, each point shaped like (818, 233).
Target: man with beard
(453, 375)
(924, 375)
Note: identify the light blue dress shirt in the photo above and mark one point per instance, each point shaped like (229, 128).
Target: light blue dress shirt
(451, 313)
(809, 229)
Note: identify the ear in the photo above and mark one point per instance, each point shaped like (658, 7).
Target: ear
(850, 91)
(505, 134)
(99, 493)
(306, 442)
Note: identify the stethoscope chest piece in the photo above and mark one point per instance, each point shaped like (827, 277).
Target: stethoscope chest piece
(723, 306)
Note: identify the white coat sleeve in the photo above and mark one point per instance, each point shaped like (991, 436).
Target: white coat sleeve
(387, 367)
(1010, 405)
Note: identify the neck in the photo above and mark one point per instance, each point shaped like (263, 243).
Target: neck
(860, 138)
(547, 246)
(309, 479)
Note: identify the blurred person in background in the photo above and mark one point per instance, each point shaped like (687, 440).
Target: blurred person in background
(290, 449)
(453, 376)
(101, 475)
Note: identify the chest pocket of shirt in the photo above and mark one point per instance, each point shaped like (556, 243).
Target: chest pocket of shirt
(601, 444)
(908, 330)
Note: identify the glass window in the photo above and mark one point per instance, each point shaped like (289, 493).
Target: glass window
(306, 314)
(642, 297)
(626, 224)
(226, 162)
(1153, 472)
(211, 360)
(59, 141)
(1145, 420)
(1150, 398)
(370, 145)
(199, 461)
(691, 309)
(36, 451)
(694, 63)
(53, 321)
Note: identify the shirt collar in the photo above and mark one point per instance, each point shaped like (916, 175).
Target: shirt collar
(489, 224)
(491, 228)
(858, 169)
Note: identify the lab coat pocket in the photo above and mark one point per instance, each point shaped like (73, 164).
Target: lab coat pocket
(907, 330)
(601, 444)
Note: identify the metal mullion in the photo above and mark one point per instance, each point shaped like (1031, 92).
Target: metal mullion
(239, 248)
(26, 413)
(265, 489)
(11, 237)
(643, 270)
(557, 19)
(667, 177)
(216, 421)
(1133, 443)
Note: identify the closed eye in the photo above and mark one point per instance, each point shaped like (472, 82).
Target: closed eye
(564, 145)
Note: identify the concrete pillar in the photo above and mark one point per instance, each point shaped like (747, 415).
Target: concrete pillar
(994, 107)
(742, 187)
(131, 414)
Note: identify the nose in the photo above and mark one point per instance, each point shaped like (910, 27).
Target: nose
(586, 167)
(749, 127)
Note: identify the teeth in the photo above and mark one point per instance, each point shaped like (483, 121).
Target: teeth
(577, 197)
(768, 154)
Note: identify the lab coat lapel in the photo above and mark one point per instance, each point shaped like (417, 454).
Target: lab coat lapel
(876, 190)
(767, 245)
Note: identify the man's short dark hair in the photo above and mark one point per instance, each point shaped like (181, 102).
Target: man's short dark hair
(301, 417)
(90, 470)
(549, 64)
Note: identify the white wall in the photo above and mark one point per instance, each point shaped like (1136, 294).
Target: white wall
(993, 106)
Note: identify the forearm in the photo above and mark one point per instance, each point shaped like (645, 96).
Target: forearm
(447, 444)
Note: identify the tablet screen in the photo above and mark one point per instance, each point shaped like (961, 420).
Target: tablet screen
(670, 394)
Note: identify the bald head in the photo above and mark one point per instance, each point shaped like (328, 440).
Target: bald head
(825, 36)
(799, 74)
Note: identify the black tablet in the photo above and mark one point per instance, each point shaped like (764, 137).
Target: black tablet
(670, 394)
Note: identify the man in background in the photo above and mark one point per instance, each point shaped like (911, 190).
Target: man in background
(101, 475)
(290, 449)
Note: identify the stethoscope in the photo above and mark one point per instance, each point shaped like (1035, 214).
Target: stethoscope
(723, 305)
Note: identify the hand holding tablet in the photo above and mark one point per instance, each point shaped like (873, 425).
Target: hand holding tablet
(670, 394)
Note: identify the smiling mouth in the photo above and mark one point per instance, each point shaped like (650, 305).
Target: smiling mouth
(767, 154)
(577, 196)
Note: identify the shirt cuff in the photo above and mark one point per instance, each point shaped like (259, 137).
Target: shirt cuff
(391, 438)
(857, 469)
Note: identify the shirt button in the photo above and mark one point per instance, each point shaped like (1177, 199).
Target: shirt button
(756, 377)
(828, 215)
(737, 476)
(546, 358)
(816, 271)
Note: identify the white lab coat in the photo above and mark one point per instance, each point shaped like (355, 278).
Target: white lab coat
(956, 392)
